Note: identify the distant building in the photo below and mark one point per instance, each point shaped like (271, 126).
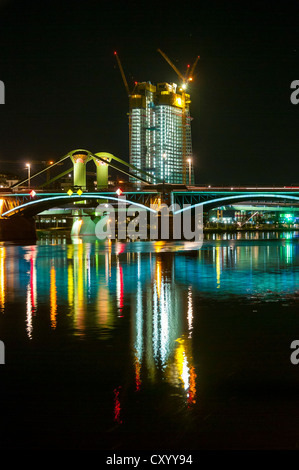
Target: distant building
(8, 179)
(160, 132)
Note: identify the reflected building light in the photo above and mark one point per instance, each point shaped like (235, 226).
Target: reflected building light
(182, 364)
(107, 268)
(190, 311)
(70, 285)
(109, 256)
(117, 405)
(31, 300)
(119, 248)
(155, 323)
(137, 373)
(88, 266)
(96, 255)
(104, 307)
(139, 326)
(79, 306)
(138, 265)
(158, 246)
(289, 253)
(70, 277)
(29, 326)
(145, 327)
(165, 312)
(53, 297)
(165, 307)
(218, 266)
(186, 372)
(158, 276)
(33, 281)
(2, 277)
(119, 287)
(191, 396)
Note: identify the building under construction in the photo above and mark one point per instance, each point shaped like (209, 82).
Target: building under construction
(160, 129)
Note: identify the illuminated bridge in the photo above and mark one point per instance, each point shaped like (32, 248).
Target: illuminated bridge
(18, 207)
(31, 204)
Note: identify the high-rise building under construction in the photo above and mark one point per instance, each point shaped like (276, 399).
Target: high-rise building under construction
(160, 132)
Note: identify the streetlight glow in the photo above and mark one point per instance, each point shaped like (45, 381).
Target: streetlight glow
(28, 167)
(189, 161)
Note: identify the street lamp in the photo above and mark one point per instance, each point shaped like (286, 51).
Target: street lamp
(189, 161)
(28, 167)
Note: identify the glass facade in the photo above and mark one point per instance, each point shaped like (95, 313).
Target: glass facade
(157, 139)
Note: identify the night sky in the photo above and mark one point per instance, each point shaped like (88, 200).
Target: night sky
(64, 89)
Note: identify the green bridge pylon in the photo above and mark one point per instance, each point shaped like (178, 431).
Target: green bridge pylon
(102, 161)
(80, 159)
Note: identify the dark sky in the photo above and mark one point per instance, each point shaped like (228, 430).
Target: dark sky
(64, 90)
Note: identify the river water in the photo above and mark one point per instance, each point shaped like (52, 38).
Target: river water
(150, 345)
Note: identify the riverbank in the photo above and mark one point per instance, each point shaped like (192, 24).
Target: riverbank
(207, 230)
(264, 228)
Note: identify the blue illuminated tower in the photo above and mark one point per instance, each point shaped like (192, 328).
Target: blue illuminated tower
(160, 132)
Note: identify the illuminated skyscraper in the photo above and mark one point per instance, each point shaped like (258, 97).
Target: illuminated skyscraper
(160, 132)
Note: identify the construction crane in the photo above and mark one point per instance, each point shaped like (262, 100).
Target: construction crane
(122, 73)
(188, 77)
(129, 93)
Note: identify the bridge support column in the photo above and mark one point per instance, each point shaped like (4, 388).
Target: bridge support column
(102, 170)
(83, 226)
(102, 174)
(17, 228)
(80, 160)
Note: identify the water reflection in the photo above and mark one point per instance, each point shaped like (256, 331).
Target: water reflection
(98, 286)
(162, 315)
(2, 277)
(252, 235)
(31, 299)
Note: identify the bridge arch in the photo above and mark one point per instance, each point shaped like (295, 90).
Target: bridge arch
(213, 203)
(37, 206)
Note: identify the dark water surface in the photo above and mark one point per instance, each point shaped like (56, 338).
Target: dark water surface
(150, 345)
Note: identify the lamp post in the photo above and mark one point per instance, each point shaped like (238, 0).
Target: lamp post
(189, 161)
(28, 167)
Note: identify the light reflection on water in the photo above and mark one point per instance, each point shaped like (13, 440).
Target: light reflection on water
(97, 286)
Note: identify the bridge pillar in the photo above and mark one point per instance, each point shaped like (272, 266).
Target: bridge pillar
(102, 174)
(83, 226)
(79, 160)
(102, 170)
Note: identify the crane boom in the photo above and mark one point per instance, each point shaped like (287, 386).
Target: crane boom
(172, 65)
(190, 76)
(122, 73)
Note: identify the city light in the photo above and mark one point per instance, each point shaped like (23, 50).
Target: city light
(1, 205)
(189, 162)
(28, 167)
